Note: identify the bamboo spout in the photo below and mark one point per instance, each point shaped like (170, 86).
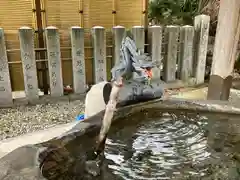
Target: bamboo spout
(107, 119)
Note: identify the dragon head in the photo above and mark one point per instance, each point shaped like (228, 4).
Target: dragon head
(144, 69)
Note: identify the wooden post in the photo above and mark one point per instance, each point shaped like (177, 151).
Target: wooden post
(224, 56)
(28, 63)
(170, 59)
(146, 23)
(201, 25)
(99, 54)
(54, 61)
(186, 52)
(5, 84)
(78, 60)
(155, 33)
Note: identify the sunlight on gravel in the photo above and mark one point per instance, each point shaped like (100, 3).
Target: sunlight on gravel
(24, 119)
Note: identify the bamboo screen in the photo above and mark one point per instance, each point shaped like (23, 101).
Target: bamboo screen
(64, 14)
(14, 14)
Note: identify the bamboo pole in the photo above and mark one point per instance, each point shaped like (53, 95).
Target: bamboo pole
(145, 22)
(81, 7)
(114, 12)
(34, 19)
(107, 119)
(43, 7)
(41, 44)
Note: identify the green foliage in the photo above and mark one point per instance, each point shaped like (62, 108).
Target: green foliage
(173, 11)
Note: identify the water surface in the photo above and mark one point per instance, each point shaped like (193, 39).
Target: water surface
(175, 146)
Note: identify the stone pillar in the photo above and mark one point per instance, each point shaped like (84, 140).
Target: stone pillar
(156, 49)
(28, 63)
(201, 26)
(139, 37)
(138, 34)
(5, 84)
(225, 48)
(119, 34)
(170, 59)
(54, 61)
(99, 54)
(186, 52)
(78, 60)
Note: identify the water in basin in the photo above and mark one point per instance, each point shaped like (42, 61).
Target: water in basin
(175, 146)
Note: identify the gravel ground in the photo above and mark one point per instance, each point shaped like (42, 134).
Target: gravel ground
(24, 119)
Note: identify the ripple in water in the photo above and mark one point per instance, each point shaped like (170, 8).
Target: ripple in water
(163, 148)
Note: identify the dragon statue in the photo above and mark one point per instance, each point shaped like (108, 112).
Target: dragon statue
(131, 83)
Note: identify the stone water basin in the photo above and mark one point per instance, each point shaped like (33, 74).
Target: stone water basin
(152, 140)
(160, 144)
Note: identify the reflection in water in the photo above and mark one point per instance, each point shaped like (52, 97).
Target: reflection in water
(171, 147)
